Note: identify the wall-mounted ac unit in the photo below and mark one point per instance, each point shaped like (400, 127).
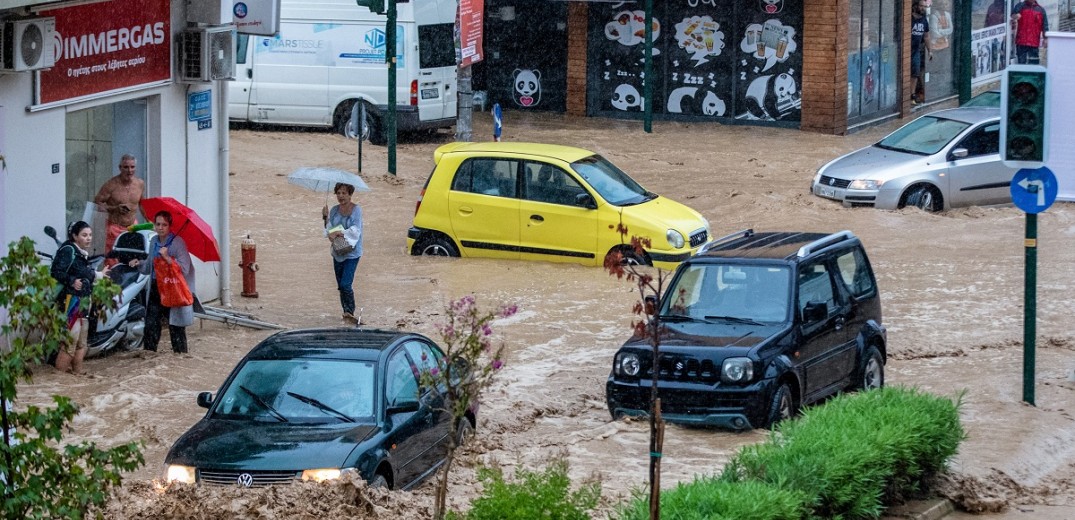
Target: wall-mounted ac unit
(206, 54)
(27, 44)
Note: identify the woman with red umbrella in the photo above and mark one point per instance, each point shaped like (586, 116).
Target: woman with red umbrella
(173, 248)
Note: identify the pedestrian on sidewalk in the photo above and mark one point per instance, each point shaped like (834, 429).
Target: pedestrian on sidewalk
(172, 248)
(1030, 23)
(71, 267)
(919, 50)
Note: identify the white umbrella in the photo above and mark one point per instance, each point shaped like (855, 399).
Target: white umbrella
(323, 179)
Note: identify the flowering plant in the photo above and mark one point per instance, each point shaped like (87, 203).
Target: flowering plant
(470, 361)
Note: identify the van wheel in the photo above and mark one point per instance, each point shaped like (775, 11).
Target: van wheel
(373, 129)
(379, 481)
(435, 246)
(781, 406)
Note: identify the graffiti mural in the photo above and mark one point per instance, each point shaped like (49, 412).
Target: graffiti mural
(712, 59)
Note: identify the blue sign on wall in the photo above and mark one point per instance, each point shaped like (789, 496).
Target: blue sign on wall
(200, 105)
(1034, 189)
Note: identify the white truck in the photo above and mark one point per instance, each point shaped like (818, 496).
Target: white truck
(330, 54)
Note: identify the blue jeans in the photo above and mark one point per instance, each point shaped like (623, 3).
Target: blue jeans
(345, 277)
(1027, 54)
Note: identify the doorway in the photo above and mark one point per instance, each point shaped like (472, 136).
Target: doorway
(95, 139)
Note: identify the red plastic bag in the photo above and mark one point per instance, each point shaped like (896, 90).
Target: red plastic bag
(171, 284)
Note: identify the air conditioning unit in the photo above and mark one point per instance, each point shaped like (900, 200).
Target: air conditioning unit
(27, 44)
(207, 54)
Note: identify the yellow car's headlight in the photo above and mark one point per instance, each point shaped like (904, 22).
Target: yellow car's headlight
(675, 238)
(177, 473)
(321, 475)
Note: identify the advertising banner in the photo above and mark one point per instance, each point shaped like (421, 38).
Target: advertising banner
(107, 46)
(469, 42)
(260, 17)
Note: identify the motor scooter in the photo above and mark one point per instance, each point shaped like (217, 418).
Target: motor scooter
(123, 326)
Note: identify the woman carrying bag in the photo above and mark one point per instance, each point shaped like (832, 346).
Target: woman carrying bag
(343, 227)
(71, 267)
(171, 277)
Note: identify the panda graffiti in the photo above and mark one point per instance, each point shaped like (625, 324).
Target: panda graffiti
(526, 87)
(626, 97)
(685, 99)
(771, 98)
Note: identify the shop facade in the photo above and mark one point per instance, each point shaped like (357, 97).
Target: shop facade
(112, 90)
(819, 65)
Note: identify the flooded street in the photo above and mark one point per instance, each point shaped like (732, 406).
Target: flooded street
(952, 296)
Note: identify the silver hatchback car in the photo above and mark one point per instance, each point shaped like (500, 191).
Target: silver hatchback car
(942, 160)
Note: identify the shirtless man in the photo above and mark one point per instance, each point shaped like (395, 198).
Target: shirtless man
(119, 196)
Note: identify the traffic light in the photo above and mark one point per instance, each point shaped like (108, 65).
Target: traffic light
(376, 6)
(1024, 128)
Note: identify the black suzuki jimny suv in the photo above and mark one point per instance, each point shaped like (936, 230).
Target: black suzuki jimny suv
(755, 326)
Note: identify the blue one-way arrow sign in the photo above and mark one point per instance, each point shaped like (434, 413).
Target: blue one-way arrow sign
(1034, 190)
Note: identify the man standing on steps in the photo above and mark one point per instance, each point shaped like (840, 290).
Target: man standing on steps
(119, 196)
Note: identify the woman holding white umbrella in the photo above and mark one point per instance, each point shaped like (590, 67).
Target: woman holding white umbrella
(343, 228)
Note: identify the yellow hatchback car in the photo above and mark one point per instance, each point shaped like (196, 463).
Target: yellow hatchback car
(544, 202)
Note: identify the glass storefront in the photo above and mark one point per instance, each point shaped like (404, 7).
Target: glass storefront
(940, 71)
(872, 60)
(989, 39)
(525, 64)
(96, 138)
(712, 60)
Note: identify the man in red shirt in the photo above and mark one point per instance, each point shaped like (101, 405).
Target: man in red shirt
(1031, 22)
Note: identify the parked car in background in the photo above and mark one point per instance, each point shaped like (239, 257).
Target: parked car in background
(316, 404)
(545, 202)
(942, 160)
(754, 327)
(988, 98)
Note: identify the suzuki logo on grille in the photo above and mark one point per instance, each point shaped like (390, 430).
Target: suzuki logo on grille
(245, 480)
(679, 366)
(832, 182)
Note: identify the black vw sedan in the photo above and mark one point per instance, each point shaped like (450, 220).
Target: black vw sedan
(319, 403)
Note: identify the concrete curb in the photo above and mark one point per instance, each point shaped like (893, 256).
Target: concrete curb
(932, 509)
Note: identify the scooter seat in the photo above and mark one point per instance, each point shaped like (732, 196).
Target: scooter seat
(123, 275)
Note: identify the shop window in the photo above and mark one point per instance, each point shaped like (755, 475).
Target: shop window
(872, 60)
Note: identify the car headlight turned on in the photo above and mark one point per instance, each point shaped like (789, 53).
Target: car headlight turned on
(737, 370)
(675, 238)
(177, 473)
(863, 184)
(321, 475)
(627, 364)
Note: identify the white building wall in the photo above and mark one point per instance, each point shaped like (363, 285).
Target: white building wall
(182, 164)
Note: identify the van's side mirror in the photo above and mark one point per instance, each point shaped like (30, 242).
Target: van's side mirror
(205, 399)
(815, 312)
(584, 200)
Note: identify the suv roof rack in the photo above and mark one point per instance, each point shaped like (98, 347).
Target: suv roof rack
(826, 241)
(724, 239)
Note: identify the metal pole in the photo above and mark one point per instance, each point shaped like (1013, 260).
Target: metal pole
(647, 85)
(966, 61)
(390, 54)
(360, 126)
(1030, 306)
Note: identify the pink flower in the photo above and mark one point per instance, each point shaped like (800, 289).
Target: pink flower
(497, 364)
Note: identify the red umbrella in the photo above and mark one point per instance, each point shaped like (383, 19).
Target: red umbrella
(187, 225)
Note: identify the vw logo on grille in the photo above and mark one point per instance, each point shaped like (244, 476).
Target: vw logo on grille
(245, 480)
(832, 181)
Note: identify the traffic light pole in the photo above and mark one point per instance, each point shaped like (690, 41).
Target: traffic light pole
(1030, 306)
(390, 54)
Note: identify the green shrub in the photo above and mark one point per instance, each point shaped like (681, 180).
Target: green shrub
(708, 498)
(544, 495)
(858, 451)
(42, 476)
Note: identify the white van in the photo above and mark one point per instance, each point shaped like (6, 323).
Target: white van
(330, 54)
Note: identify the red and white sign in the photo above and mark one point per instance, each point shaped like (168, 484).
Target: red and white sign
(107, 46)
(470, 31)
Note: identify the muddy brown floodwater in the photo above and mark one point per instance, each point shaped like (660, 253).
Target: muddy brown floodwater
(951, 284)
